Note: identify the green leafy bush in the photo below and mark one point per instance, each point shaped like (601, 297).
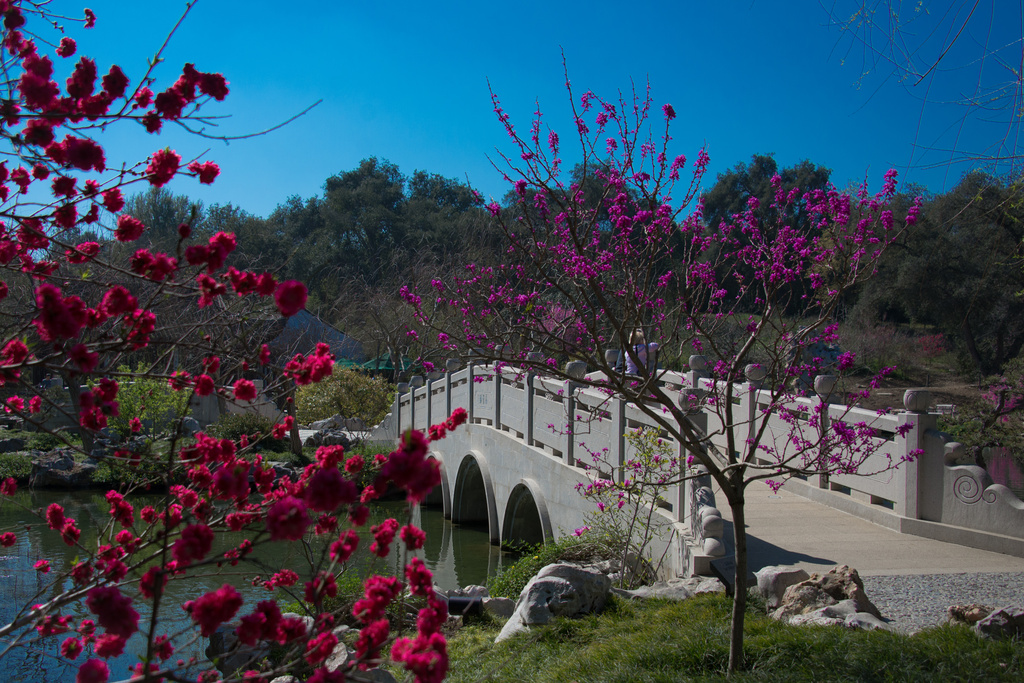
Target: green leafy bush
(150, 470)
(15, 465)
(152, 401)
(255, 426)
(348, 393)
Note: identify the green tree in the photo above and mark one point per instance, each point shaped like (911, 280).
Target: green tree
(959, 269)
(732, 194)
(346, 392)
(151, 401)
(363, 218)
(162, 212)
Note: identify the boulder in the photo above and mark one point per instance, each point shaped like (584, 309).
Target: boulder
(866, 622)
(470, 591)
(329, 423)
(674, 589)
(773, 581)
(308, 621)
(58, 469)
(843, 613)
(838, 584)
(339, 655)
(11, 422)
(348, 424)
(558, 590)
(228, 654)
(818, 617)
(12, 445)
(331, 437)
(1005, 622)
(969, 614)
(500, 608)
(190, 426)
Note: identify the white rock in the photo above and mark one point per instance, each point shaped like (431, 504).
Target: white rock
(558, 590)
(773, 581)
(500, 608)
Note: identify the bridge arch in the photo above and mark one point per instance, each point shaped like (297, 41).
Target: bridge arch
(441, 495)
(526, 515)
(473, 498)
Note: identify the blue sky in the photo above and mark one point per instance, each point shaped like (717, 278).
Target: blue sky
(408, 82)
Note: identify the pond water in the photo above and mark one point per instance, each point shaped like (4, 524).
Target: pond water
(457, 555)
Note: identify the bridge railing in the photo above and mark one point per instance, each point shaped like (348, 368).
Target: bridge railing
(583, 427)
(923, 495)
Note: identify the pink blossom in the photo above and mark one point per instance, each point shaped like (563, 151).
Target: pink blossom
(163, 165)
(290, 297)
(412, 536)
(67, 47)
(128, 229)
(93, 671)
(245, 390)
(320, 647)
(204, 385)
(426, 656)
(214, 608)
(287, 519)
(113, 610)
(207, 171)
(194, 544)
(342, 549)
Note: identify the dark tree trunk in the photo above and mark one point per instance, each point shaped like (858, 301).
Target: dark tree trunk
(75, 394)
(296, 442)
(739, 598)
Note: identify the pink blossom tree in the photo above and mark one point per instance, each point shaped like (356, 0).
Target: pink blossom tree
(78, 298)
(622, 246)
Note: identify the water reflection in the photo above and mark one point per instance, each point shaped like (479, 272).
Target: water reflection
(458, 556)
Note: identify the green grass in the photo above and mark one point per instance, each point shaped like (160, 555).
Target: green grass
(658, 641)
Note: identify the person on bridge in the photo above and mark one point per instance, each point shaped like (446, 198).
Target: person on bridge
(643, 352)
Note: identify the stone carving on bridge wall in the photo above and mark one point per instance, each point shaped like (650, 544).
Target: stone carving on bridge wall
(969, 488)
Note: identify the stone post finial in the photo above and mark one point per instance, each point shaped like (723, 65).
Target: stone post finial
(576, 369)
(611, 357)
(690, 399)
(402, 387)
(917, 400)
(453, 364)
(755, 373)
(416, 381)
(824, 384)
(698, 363)
(954, 452)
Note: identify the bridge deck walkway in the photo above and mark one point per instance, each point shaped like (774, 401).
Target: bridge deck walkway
(787, 529)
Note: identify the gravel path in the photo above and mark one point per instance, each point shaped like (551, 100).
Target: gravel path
(914, 602)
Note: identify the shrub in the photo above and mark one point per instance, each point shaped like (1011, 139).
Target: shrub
(510, 581)
(879, 346)
(253, 425)
(348, 393)
(150, 470)
(16, 465)
(624, 518)
(150, 401)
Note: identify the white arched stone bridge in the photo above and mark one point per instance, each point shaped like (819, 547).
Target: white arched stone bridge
(512, 469)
